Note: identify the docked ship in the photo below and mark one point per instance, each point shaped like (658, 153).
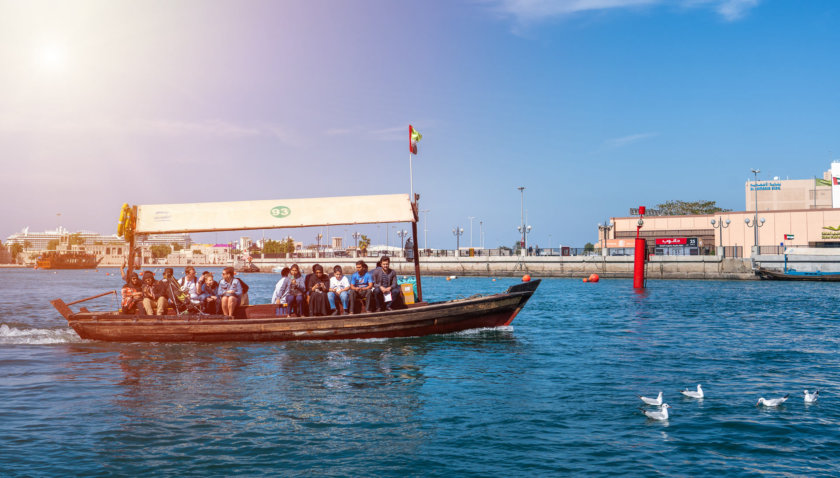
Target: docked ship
(66, 260)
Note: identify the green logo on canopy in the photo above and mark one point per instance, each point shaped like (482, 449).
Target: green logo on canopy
(280, 211)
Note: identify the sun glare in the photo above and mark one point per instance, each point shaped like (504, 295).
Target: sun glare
(52, 58)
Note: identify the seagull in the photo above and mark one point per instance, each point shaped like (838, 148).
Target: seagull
(662, 414)
(773, 402)
(692, 394)
(652, 401)
(811, 397)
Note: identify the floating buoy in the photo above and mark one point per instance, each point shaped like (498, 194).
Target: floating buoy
(526, 278)
(585, 279)
(450, 278)
(494, 280)
(594, 278)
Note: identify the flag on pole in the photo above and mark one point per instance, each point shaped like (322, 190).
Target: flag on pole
(414, 137)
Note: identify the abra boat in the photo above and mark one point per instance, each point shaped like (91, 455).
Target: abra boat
(67, 260)
(793, 274)
(262, 322)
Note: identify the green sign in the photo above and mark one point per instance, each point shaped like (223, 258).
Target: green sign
(280, 211)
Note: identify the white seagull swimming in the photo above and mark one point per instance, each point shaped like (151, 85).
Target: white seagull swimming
(662, 414)
(652, 401)
(692, 394)
(773, 402)
(811, 397)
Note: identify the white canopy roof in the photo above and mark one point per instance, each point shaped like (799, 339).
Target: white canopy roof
(274, 213)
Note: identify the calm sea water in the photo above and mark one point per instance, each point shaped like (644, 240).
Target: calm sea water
(554, 394)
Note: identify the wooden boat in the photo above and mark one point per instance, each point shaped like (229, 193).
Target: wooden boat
(261, 322)
(66, 260)
(792, 274)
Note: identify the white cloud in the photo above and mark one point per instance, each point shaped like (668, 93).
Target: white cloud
(535, 10)
(629, 139)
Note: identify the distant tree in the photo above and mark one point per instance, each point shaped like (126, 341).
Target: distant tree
(27, 245)
(160, 251)
(196, 252)
(505, 248)
(75, 239)
(15, 250)
(279, 247)
(97, 243)
(176, 247)
(52, 245)
(588, 247)
(364, 242)
(682, 208)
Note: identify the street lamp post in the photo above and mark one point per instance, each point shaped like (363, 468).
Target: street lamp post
(605, 228)
(458, 232)
(471, 236)
(318, 250)
(402, 233)
(356, 235)
(521, 228)
(755, 225)
(481, 234)
(719, 224)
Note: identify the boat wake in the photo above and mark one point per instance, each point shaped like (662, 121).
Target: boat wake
(16, 336)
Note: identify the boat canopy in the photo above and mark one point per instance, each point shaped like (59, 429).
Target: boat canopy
(273, 213)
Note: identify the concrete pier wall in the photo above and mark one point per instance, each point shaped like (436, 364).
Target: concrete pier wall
(663, 267)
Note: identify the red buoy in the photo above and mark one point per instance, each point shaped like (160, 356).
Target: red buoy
(526, 278)
(594, 278)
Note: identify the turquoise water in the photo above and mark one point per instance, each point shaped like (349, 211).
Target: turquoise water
(553, 394)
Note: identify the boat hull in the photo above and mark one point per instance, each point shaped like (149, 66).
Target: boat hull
(257, 323)
(798, 276)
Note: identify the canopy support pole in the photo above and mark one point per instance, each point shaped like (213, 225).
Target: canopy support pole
(416, 251)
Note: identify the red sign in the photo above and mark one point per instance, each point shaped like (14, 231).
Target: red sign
(672, 241)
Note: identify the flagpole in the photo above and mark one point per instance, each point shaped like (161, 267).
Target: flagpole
(411, 176)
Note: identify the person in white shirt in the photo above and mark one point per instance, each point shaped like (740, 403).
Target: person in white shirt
(282, 291)
(339, 286)
(189, 284)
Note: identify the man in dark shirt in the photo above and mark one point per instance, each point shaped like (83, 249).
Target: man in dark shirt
(386, 293)
(154, 294)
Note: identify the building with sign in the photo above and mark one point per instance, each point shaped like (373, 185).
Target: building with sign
(798, 212)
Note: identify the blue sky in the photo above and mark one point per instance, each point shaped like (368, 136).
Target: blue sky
(595, 106)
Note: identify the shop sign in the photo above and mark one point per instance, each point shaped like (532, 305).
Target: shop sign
(766, 186)
(830, 232)
(691, 242)
(672, 241)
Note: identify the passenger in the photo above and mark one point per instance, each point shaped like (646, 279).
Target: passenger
(209, 294)
(229, 291)
(154, 294)
(360, 287)
(177, 296)
(189, 284)
(319, 285)
(282, 291)
(339, 286)
(297, 290)
(132, 294)
(385, 289)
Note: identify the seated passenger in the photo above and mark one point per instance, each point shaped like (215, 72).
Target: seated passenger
(297, 289)
(154, 294)
(229, 291)
(339, 286)
(318, 286)
(360, 287)
(132, 295)
(281, 292)
(209, 294)
(189, 284)
(177, 297)
(385, 289)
